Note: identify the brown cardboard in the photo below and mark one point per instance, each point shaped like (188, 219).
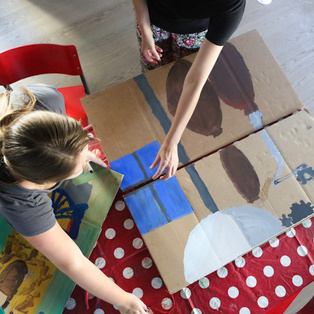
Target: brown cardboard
(242, 221)
(124, 121)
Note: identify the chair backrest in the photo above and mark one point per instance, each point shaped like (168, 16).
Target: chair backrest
(25, 61)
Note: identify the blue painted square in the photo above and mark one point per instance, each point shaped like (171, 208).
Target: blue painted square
(158, 204)
(135, 166)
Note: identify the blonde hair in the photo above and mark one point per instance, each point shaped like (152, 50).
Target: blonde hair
(38, 146)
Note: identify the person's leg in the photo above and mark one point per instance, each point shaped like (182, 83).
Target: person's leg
(163, 40)
(186, 44)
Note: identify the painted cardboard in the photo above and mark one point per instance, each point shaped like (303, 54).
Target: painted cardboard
(229, 202)
(80, 205)
(136, 113)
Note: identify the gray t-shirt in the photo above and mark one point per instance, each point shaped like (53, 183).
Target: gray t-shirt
(30, 212)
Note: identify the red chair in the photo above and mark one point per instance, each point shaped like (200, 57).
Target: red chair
(30, 60)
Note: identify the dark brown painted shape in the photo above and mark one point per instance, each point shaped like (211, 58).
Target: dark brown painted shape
(207, 117)
(241, 172)
(232, 80)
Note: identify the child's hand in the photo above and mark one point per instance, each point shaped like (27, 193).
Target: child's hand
(133, 305)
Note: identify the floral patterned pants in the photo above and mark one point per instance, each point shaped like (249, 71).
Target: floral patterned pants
(174, 46)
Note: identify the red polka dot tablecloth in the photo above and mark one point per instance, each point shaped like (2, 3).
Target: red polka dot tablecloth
(254, 283)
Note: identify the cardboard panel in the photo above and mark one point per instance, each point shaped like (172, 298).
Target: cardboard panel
(246, 89)
(240, 196)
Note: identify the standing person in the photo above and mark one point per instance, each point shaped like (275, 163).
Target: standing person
(171, 29)
(40, 149)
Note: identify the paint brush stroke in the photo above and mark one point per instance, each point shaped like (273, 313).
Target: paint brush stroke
(232, 80)
(241, 172)
(207, 116)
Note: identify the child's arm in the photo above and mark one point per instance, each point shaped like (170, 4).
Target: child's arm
(61, 250)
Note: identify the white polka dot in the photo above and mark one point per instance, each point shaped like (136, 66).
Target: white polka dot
(138, 292)
(244, 310)
(285, 260)
(110, 233)
(99, 311)
(137, 243)
(233, 292)
(268, 271)
(90, 296)
(240, 262)
(290, 233)
(262, 302)
(251, 281)
(196, 311)
(214, 303)
(257, 252)
(274, 242)
(111, 279)
(156, 283)
(280, 291)
(116, 308)
(118, 253)
(311, 270)
(222, 272)
(147, 262)
(119, 205)
(128, 272)
(185, 293)
(307, 223)
(100, 262)
(166, 304)
(204, 283)
(302, 250)
(128, 224)
(297, 280)
(71, 304)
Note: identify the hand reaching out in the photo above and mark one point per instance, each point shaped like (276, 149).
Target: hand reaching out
(133, 305)
(167, 158)
(151, 52)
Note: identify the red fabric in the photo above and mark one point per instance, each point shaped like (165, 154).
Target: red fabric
(282, 307)
(73, 106)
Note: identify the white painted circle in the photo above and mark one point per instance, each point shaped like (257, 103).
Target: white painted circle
(90, 296)
(166, 304)
(204, 283)
(196, 311)
(118, 253)
(111, 279)
(257, 252)
(274, 242)
(240, 262)
(262, 302)
(119, 205)
(285, 260)
(268, 271)
(264, 2)
(214, 303)
(100, 262)
(280, 291)
(244, 310)
(110, 233)
(99, 311)
(128, 273)
(147, 262)
(156, 283)
(311, 270)
(222, 272)
(71, 304)
(251, 281)
(297, 280)
(137, 243)
(307, 223)
(128, 224)
(290, 233)
(138, 292)
(302, 250)
(233, 292)
(185, 293)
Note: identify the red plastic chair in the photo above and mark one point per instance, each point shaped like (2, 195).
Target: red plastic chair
(30, 60)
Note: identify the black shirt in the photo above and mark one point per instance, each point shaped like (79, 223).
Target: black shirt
(220, 17)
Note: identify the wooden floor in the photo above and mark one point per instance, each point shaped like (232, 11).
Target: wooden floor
(104, 33)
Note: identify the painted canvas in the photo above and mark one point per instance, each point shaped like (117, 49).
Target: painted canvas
(229, 202)
(29, 283)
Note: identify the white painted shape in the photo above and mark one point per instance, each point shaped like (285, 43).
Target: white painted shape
(256, 120)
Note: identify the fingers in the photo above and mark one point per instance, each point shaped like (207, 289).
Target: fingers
(160, 169)
(92, 157)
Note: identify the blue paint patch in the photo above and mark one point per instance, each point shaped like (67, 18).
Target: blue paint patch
(157, 204)
(135, 166)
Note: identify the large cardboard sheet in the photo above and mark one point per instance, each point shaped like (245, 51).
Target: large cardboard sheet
(229, 202)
